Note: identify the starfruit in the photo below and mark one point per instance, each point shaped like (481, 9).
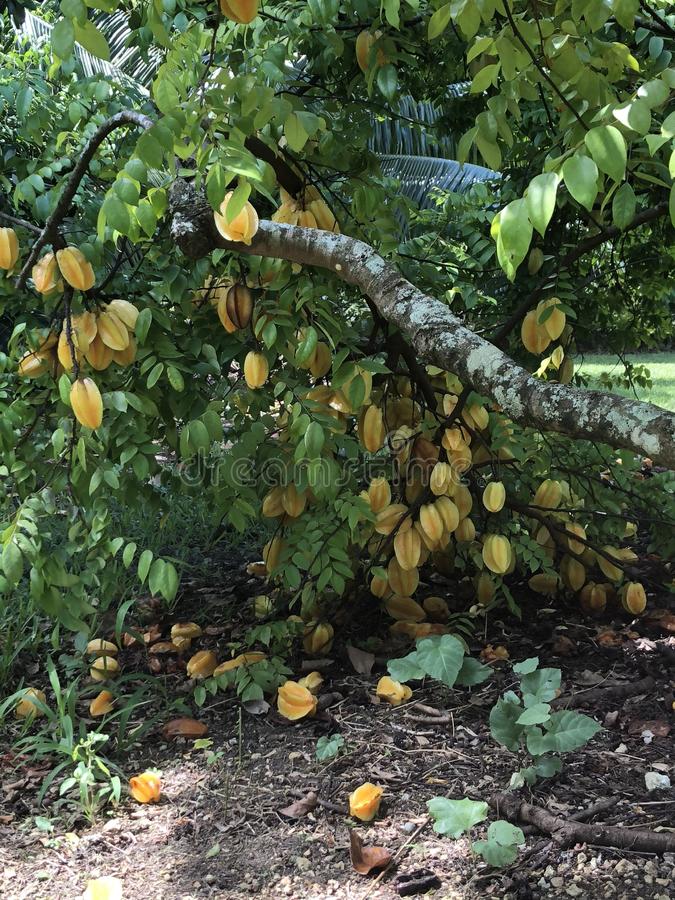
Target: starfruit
(243, 12)
(402, 581)
(75, 268)
(202, 664)
(256, 369)
(295, 701)
(101, 704)
(85, 399)
(392, 691)
(364, 802)
(497, 553)
(404, 609)
(244, 225)
(145, 788)
(9, 248)
(26, 708)
(494, 496)
(633, 598)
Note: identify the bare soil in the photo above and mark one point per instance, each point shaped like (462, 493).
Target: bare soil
(218, 831)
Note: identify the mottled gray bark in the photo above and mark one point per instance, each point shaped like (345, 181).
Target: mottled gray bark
(439, 336)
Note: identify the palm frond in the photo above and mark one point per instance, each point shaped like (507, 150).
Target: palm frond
(421, 176)
(411, 128)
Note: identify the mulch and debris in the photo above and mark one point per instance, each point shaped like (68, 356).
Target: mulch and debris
(267, 819)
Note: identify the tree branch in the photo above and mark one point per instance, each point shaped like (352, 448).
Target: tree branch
(583, 247)
(121, 119)
(438, 335)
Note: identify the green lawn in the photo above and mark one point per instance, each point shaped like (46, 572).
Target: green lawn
(661, 368)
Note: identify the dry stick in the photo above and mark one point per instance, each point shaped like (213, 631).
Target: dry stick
(566, 832)
(611, 692)
(121, 119)
(396, 856)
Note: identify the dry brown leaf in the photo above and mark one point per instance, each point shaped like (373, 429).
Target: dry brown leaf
(301, 807)
(657, 727)
(153, 634)
(365, 858)
(187, 728)
(607, 637)
(563, 645)
(362, 661)
(494, 654)
(163, 647)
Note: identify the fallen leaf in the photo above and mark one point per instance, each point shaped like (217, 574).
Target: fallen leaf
(153, 633)
(256, 707)
(658, 728)
(362, 661)
(187, 728)
(563, 645)
(300, 808)
(163, 647)
(494, 654)
(365, 858)
(609, 638)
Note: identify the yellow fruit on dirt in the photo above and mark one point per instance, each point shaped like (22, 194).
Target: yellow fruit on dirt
(244, 225)
(185, 630)
(318, 638)
(256, 369)
(100, 647)
(408, 548)
(404, 609)
(431, 522)
(544, 584)
(633, 598)
(105, 888)
(371, 432)
(26, 708)
(403, 582)
(534, 336)
(101, 704)
(556, 320)
(593, 598)
(98, 355)
(392, 691)
(45, 274)
(548, 495)
(494, 496)
(497, 553)
(391, 517)
(9, 248)
(364, 42)
(145, 788)
(75, 268)
(86, 402)
(104, 667)
(312, 682)
(202, 664)
(608, 569)
(295, 701)
(112, 331)
(239, 305)
(364, 802)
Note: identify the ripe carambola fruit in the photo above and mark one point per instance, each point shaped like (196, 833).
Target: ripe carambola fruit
(405, 609)
(403, 582)
(239, 305)
(256, 369)
(364, 42)
(243, 226)
(544, 584)
(318, 638)
(573, 573)
(9, 248)
(534, 336)
(112, 331)
(45, 274)
(379, 494)
(449, 513)
(372, 429)
(548, 495)
(75, 268)
(295, 701)
(99, 355)
(293, 501)
(408, 548)
(633, 598)
(85, 399)
(431, 522)
(494, 496)
(556, 320)
(240, 11)
(497, 553)
(593, 598)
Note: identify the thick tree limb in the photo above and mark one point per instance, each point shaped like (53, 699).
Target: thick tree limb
(438, 335)
(567, 833)
(121, 119)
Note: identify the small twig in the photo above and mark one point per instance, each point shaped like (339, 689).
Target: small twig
(603, 694)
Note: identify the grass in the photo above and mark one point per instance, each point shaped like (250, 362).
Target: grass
(661, 368)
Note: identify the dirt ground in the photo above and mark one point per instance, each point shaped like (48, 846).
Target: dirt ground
(219, 832)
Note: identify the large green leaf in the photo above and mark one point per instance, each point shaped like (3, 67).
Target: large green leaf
(455, 817)
(441, 657)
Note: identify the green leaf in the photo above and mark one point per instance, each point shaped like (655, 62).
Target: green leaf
(295, 133)
(526, 666)
(623, 206)
(307, 346)
(406, 668)
(12, 563)
(540, 199)
(607, 146)
(455, 817)
(63, 38)
(580, 175)
(635, 115)
(314, 440)
(473, 672)
(441, 657)
(128, 554)
(92, 40)
(535, 715)
(116, 214)
(144, 564)
(515, 234)
(671, 204)
(387, 81)
(483, 79)
(569, 730)
(504, 725)
(143, 323)
(439, 21)
(540, 686)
